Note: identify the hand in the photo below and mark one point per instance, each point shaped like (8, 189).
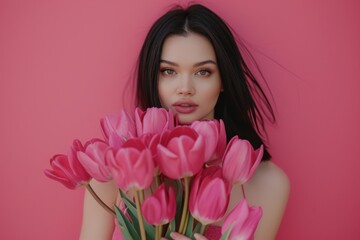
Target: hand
(178, 236)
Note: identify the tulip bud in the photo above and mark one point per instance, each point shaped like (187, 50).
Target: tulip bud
(131, 166)
(181, 153)
(242, 220)
(204, 205)
(118, 127)
(93, 160)
(214, 134)
(240, 160)
(160, 208)
(67, 169)
(153, 120)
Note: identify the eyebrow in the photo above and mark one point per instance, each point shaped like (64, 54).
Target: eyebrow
(195, 65)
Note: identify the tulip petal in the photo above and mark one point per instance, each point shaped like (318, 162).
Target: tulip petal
(160, 207)
(154, 121)
(122, 125)
(257, 155)
(131, 166)
(210, 133)
(247, 230)
(212, 206)
(57, 177)
(151, 210)
(237, 216)
(67, 169)
(240, 161)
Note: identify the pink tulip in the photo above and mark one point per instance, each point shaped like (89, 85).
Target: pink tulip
(181, 153)
(221, 145)
(93, 160)
(242, 220)
(118, 128)
(159, 208)
(151, 141)
(240, 160)
(153, 120)
(214, 134)
(67, 169)
(131, 166)
(209, 196)
(117, 235)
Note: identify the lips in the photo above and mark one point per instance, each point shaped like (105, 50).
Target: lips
(184, 107)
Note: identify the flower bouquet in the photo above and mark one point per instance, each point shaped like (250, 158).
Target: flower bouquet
(170, 178)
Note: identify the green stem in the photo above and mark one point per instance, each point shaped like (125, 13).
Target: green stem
(160, 230)
(186, 222)
(157, 237)
(142, 196)
(98, 199)
(185, 212)
(140, 217)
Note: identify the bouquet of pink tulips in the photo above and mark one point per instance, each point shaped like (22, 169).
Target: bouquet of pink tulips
(167, 174)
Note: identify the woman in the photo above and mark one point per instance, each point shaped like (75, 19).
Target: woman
(190, 63)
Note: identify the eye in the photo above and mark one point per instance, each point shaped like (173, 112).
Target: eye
(203, 73)
(167, 72)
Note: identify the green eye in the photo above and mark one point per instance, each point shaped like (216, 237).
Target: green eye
(167, 71)
(203, 72)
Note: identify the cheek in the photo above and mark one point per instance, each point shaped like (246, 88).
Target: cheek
(212, 92)
(163, 94)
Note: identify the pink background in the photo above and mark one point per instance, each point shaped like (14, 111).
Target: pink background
(63, 65)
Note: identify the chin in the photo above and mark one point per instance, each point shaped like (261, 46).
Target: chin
(185, 121)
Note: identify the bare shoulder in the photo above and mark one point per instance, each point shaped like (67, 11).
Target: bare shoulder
(269, 188)
(269, 175)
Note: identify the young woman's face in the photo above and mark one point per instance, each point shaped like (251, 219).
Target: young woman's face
(189, 78)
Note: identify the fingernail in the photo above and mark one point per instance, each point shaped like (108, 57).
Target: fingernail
(173, 234)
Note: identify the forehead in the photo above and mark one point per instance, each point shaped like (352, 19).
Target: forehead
(192, 47)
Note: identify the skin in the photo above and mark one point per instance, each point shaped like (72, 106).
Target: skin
(188, 71)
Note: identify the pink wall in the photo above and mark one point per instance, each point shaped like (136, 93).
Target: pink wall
(63, 65)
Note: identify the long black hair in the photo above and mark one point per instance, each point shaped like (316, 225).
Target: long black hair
(242, 105)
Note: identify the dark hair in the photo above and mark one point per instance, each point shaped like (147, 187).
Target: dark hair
(242, 103)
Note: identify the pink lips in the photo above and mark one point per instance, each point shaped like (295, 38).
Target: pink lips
(184, 107)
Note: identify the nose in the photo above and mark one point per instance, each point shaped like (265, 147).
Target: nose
(186, 86)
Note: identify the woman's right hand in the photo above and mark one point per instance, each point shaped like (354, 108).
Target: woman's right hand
(178, 236)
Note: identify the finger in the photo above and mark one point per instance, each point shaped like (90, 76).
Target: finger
(199, 237)
(178, 236)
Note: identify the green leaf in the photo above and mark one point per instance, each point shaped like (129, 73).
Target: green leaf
(125, 197)
(170, 229)
(150, 229)
(189, 227)
(127, 229)
(197, 228)
(131, 210)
